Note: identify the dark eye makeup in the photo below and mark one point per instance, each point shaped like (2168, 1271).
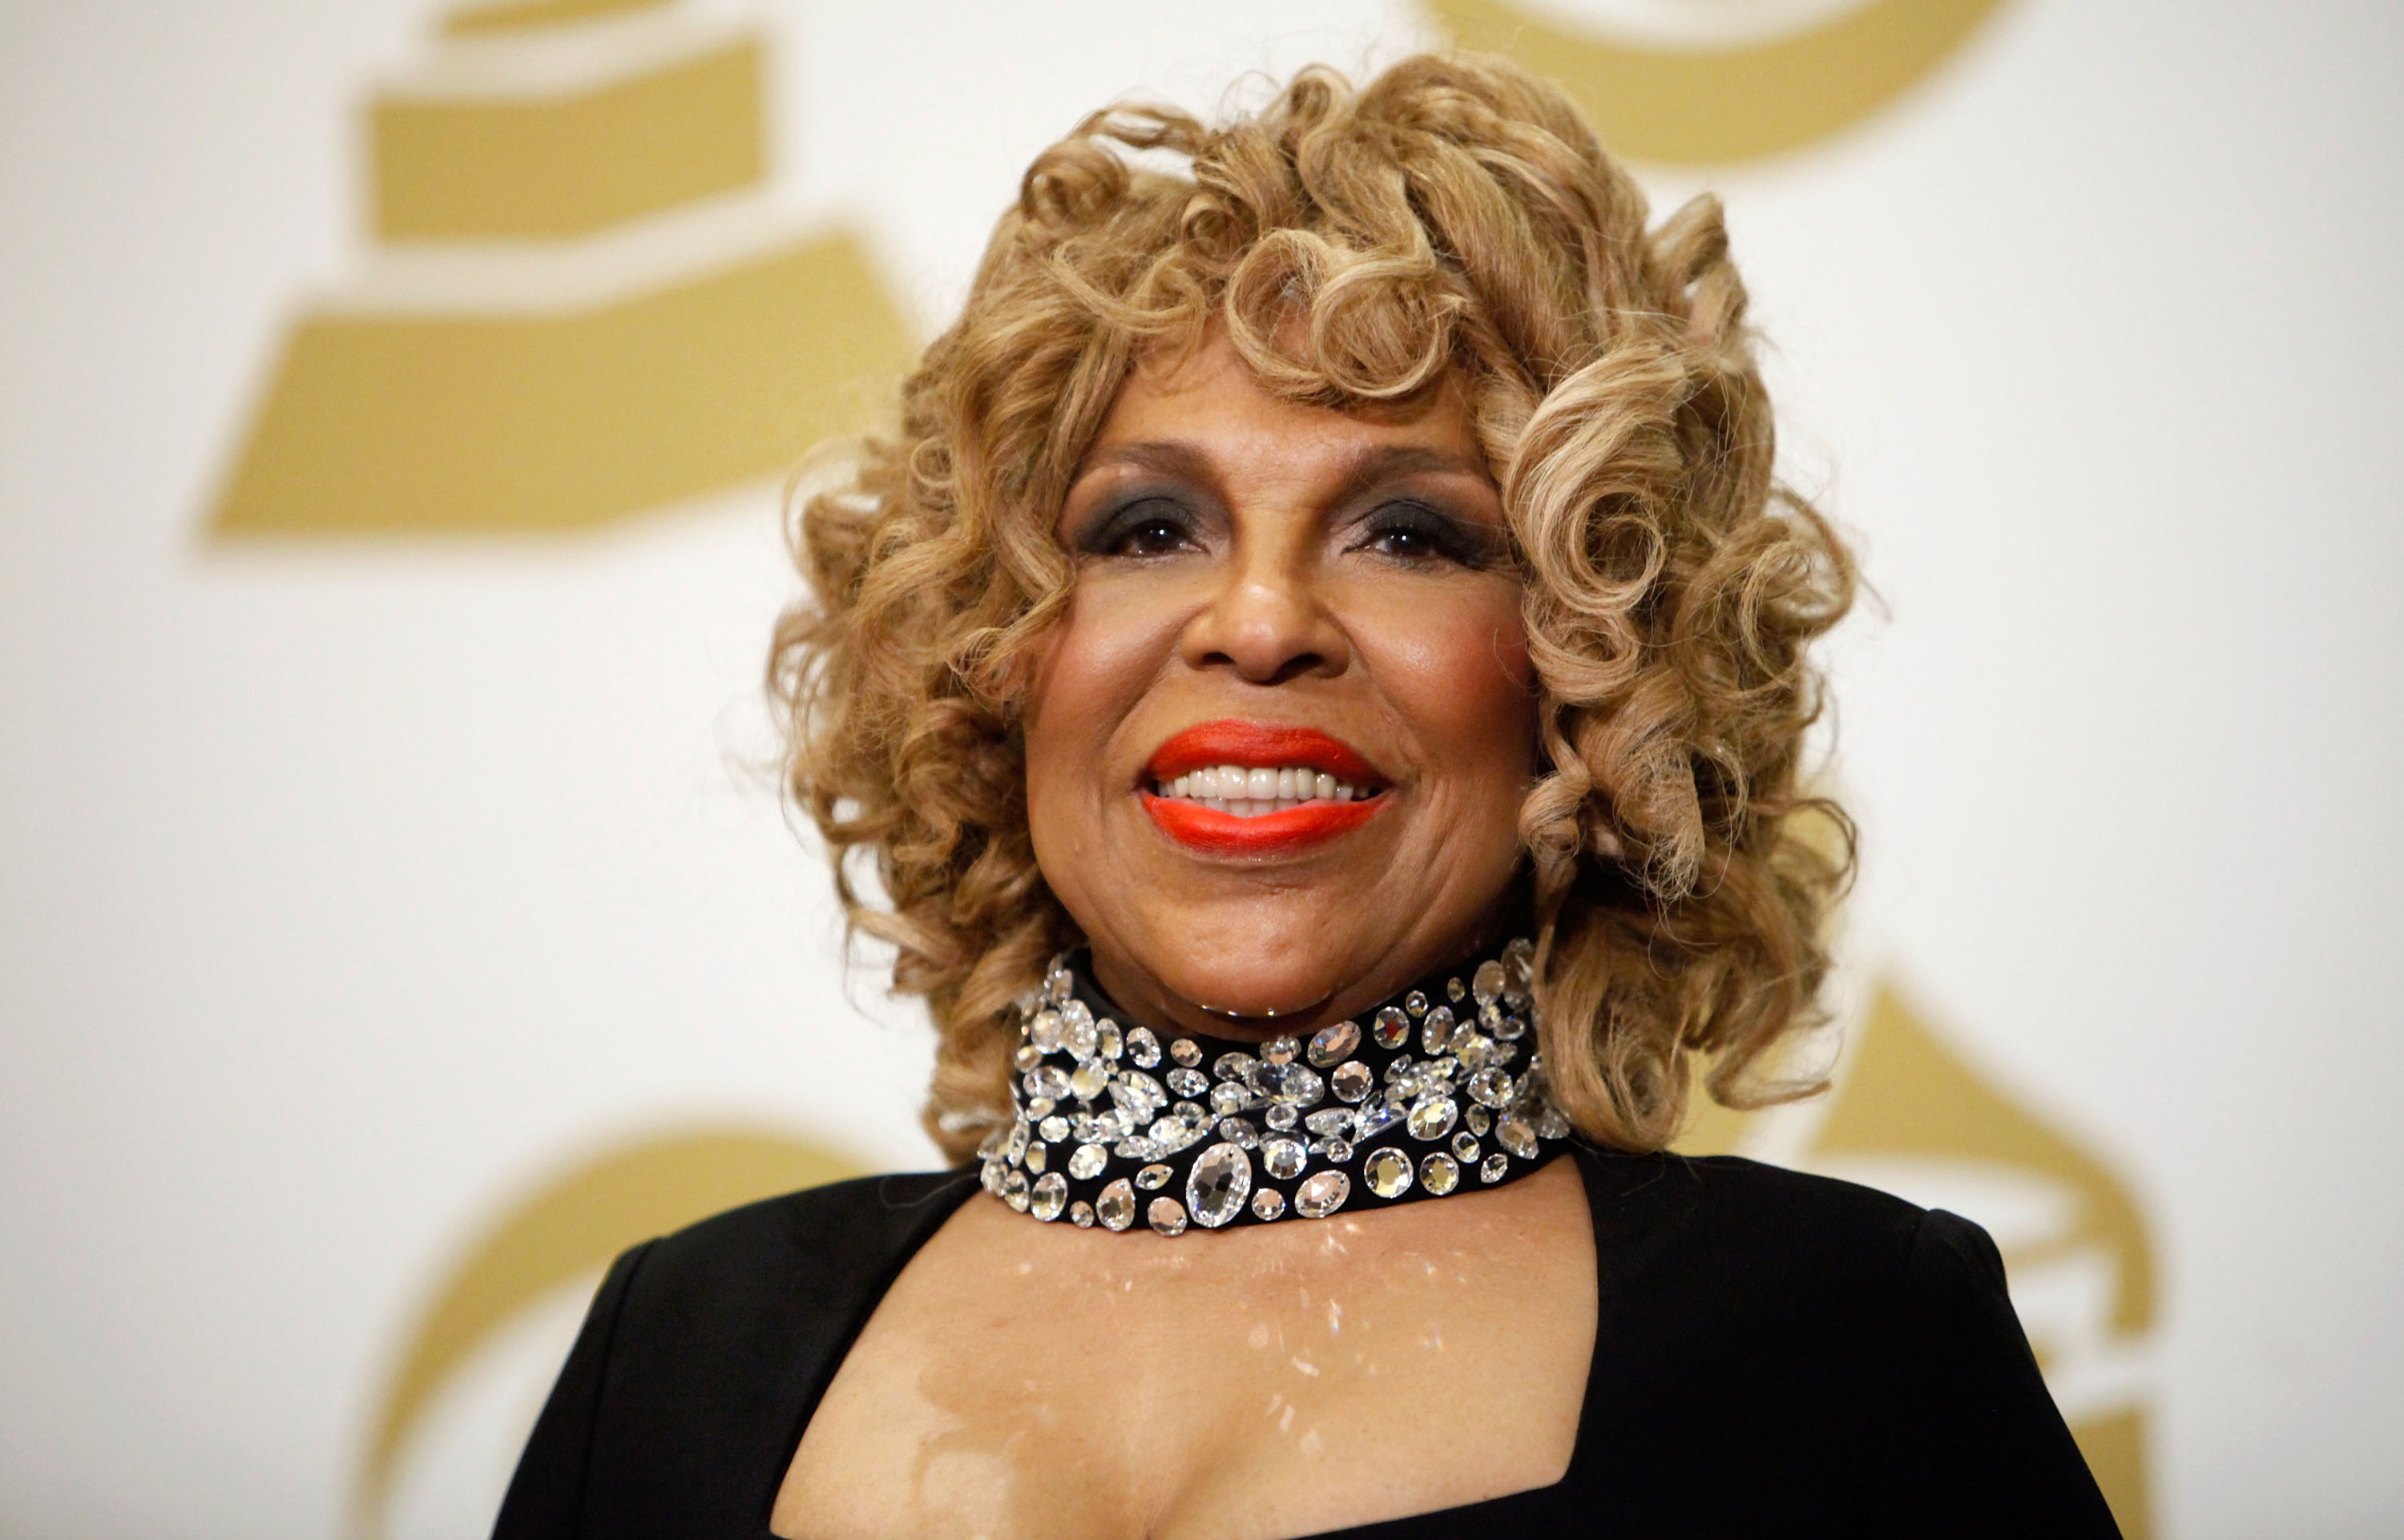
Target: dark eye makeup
(1410, 530)
(1143, 524)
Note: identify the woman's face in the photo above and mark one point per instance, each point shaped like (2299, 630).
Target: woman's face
(1276, 751)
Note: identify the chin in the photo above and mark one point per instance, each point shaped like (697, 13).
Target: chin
(1259, 965)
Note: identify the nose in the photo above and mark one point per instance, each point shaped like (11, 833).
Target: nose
(1267, 621)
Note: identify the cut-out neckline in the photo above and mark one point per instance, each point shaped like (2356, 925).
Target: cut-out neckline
(1535, 1502)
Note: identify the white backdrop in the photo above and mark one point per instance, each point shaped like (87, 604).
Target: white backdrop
(347, 887)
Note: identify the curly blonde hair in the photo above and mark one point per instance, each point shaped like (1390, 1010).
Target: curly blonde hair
(1454, 217)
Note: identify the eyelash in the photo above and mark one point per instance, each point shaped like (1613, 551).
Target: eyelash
(1446, 538)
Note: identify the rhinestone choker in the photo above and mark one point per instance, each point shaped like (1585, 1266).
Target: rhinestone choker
(1415, 1100)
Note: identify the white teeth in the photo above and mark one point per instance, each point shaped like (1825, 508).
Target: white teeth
(1247, 792)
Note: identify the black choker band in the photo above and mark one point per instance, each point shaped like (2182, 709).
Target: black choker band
(1436, 1092)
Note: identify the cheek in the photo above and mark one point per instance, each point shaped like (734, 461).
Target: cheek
(1089, 675)
(1459, 670)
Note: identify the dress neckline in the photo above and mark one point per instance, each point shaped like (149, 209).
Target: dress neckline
(1543, 1508)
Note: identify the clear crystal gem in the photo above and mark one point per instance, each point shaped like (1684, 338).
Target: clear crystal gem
(1481, 1122)
(1439, 1173)
(1283, 1158)
(1171, 1134)
(1116, 1207)
(1388, 1173)
(1279, 1050)
(1374, 1118)
(1435, 1032)
(1291, 1084)
(1230, 1097)
(1513, 1133)
(1185, 1082)
(990, 1177)
(1518, 972)
(1089, 1079)
(1086, 1162)
(1015, 1150)
(1038, 1107)
(1475, 1050)
(1455, 991)
(1465, 1144)
(1165, 1216)
(1108, 1041)
(1351, 1081)
(1081, 1215)
(1154, 1178)
(991, 1147)
(1490, 1087)
(1433, 1118)
(1014, 1189)
(1333, 1045)
(1338, 1151)
(1510, 1028)
(1046, 1080)
(1551, 1123)
(1238, 1067)
(1027, 1057)
(1044, 1031)
(1389, 1027)
(1038, 1155)
(1058, 983)
(1054, 1129)
(1186, 1052)
(1143, 1047)
(1221, 1180)
(1137, 1147)
(1050, 1194)
(1236, 1131)
(1322, 1195)
(1329, 1120)
(1414, 1003)
(1269, 1203)
(1486, 983)
(1138, 1097)
(1494, 1169)
(1078, 1036)
(1282, 1117)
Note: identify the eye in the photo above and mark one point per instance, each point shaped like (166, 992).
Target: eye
(1148, 526)
(1415, 533)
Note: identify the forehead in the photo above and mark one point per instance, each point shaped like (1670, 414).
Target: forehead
(1209, 403)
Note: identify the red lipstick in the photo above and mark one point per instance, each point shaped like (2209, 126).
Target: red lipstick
(1260, 746)
(1268, 746)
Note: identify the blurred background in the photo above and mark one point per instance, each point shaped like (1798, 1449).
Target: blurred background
(396, 912)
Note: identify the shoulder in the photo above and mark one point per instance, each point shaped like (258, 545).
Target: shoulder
(826, 1241)
(1721, 1212)
(704, 1351)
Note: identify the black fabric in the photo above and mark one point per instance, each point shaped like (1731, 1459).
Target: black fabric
(1776, 1355)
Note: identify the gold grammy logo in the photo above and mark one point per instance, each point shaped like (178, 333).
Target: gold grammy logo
(1726, 95)
(581, 302)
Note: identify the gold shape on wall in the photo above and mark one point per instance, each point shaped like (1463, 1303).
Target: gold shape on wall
(1708, 105)
(563, 1233)
(1908, 1113)
(581, 303)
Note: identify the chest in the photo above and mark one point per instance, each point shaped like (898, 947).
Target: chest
(1023, 1379)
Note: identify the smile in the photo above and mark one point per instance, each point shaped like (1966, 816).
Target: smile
(1254, 789)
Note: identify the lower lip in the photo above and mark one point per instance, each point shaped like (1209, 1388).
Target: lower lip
(1216, 834)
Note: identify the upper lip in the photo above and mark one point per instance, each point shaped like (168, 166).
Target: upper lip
(1260, 745)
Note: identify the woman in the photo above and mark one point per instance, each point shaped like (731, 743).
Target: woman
(1319, 677)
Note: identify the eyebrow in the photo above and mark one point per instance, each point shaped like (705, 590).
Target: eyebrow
(1375, 463)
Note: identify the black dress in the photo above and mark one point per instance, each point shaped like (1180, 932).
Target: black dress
(1775, 1355)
